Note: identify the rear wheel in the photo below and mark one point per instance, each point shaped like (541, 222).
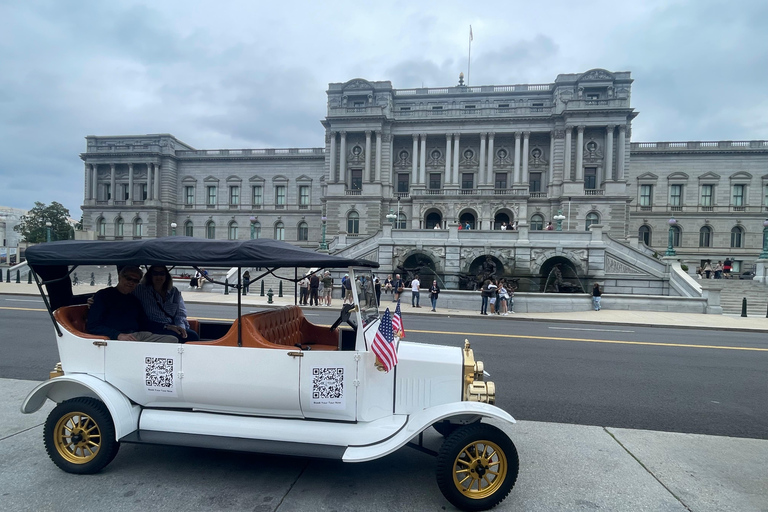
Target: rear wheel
(477, 467)
(79, 436)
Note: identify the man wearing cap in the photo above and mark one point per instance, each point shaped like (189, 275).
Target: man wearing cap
(327, 289)
(118, 314)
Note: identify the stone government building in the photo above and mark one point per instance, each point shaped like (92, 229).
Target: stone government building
(420, 158)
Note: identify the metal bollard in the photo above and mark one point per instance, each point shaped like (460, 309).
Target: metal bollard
(7, 276)
(18, 276)
(29, 277)
(280, 290)
(270, 293)
(262, 289)
(109, 279)
(93, 279)
(226, 286)
(744, 307)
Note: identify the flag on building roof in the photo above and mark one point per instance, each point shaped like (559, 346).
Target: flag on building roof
(384, 343)
(397, 322)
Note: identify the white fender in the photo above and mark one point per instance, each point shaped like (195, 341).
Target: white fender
(418, 422)
(125, 415)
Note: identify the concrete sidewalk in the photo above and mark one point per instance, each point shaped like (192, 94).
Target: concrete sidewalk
(604, 316)
(562, 468)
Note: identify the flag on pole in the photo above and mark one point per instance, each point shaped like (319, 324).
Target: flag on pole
(397, 322)
(470, 33)
(384, 343)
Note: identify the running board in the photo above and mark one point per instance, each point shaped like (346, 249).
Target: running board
(293, 449)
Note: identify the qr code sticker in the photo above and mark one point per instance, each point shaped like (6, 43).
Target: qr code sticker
(158, 374)
(328, 387)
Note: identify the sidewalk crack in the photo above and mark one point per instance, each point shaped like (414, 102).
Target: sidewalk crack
(648, 470)
(20, 432)
(290, 488)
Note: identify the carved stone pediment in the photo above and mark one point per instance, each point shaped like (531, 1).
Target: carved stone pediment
(596, 74)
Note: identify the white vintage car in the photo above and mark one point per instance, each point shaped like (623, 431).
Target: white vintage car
(264, 381)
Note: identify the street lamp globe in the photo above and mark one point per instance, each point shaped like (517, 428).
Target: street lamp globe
(391, 217)
(559, 218)
(173, 228)
(48, 230)
(670, 244)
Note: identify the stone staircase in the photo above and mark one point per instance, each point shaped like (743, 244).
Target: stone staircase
(735, 290)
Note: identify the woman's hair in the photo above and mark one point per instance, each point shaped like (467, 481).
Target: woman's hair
(167, 284)
(597, 285)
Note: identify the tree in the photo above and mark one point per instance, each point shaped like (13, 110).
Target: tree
(32, 226)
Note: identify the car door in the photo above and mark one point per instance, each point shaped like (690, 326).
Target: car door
(329, 383)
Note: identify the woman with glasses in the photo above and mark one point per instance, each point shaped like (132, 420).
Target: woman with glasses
(163, 303)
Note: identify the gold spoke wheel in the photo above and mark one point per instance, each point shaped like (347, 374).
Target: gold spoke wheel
(480, 469)
(77, 437)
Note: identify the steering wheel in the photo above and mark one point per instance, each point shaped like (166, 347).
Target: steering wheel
(346, 310)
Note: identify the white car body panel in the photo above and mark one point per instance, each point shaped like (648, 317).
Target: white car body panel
(427, 375)
(80, 355)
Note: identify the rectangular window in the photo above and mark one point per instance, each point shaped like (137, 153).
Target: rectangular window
(144, 190)
(738, 195)
(234, 195)
(467, 180)
(356, 179)
(676, 195)
(534, 182)
(303, 197)
(280, 197)
(501, 180)
(590, 178)
(707, 191)
(435, 180)
(403, 180)
(107, 191)
(593, 96)
(646, 195)
(258, 197)
(437, 107)
(124, 193)
(189, 195)
(210, 196)
(405, 109)
(468, 107)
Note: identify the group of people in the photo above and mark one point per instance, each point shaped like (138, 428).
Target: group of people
(498, 295)
(316, 289)
(504, 226)
(141, 307)
(720, 270)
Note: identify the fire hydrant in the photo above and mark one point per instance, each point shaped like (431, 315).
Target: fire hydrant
(270, 293)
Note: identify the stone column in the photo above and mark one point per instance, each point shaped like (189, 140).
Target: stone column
(157, 183)
(367, 173)
(516, 173)
(567, 164)
(526, 140)
(448, 174)
(343, 159)
(609, 152)
(130, 183)
(112, 183)
(580, 154)
(423, 159)
(482, 177)
(622, 143)
(490, 158)
(456, 152)
(150, 187)
(332, 176)
(551, 170)
(377, 167)
(391, 161)
(415, 159)
(94, 181)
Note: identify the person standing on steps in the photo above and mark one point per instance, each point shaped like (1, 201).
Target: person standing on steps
(415, 292)
(596, 294)
(434, 291)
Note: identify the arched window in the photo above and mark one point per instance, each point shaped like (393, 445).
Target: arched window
(279, 231)
(119, 226)
(737, 237)
(303, 234)
(256, 230)
(644, 234)
(676, 233)
(232, 231)
(537, 222)
(402, 221)
(138, 227)
(468, 218)
(210, 230)
(592, 218)
(101, 226)
(705, 236)
(189, 229)
(434, 219)
(353, 223)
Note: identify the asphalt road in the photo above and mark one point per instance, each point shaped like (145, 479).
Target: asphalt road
(675, 380)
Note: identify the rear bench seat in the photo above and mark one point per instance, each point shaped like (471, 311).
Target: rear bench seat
(75, 318)
(286, 328)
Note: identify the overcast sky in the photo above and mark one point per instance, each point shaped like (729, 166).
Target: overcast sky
(253, 74)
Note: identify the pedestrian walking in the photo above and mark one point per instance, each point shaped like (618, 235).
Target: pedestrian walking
(399, 287)
(434, 291)
(707, 269)
(246, 282)
(596, 293)
(377, 290)
(493, 290)
(727, 266)
(719, 270)
(501, 303)
(485, 294)
(415, 292)
(347, 285)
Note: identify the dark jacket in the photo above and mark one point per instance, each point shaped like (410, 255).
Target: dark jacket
(114, 313)
(314, 281)
(434, 291)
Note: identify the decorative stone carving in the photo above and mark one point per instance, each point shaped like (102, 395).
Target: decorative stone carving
(615, 266)
(559, 134)
(358, 84)
(435, 158)
(468, 157)
(403, 158)
(439, 252)
(596, 74)
(372, 256)
(593, 153)
(536, 157)
(356, 154)
(503, 157)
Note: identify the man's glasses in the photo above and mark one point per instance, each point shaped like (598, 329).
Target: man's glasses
(134, 280)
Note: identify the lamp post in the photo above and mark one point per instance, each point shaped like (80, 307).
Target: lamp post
(391, 217)
(253, 227)
(323, 245)
(559, 218)
(48, 230)
(173, 228)
(670, 244)
(764, 254)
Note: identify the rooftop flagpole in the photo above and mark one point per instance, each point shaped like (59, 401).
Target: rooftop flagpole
(469, 57)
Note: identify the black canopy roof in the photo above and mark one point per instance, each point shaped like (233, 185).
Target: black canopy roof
(183, 250)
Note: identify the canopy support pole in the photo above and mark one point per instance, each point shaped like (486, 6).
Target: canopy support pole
(239, 310)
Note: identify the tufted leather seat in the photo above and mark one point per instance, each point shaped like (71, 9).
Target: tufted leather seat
(284, 328)
(73, 319)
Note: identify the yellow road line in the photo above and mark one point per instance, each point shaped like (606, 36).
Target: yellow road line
(25, 309)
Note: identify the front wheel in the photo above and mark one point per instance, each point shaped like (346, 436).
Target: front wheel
(79, 436)
(477, 467)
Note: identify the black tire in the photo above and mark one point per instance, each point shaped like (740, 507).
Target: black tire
(463, 471)
(79, 436)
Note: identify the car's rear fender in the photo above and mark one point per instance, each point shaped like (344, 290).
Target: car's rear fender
(125, 414)
(420, 421)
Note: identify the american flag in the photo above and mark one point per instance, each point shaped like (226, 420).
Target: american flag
(384, 343)
(397, 321)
